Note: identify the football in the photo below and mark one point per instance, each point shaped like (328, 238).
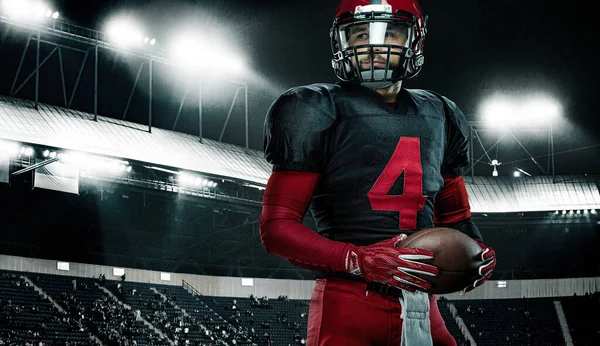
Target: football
(456, 255)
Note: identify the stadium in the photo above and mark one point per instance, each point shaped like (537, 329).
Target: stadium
(132, 179)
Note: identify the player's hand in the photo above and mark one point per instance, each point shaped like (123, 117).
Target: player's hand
(386, 263)
(488, 255)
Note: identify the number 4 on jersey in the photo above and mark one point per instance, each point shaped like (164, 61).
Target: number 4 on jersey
(406, 158)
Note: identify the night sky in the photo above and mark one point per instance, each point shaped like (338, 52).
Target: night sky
(473, 49)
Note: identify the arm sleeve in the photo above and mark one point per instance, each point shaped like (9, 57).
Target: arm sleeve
(286, 199)
(452, 209)
(297, 132)
(452, 202)
(458, 132)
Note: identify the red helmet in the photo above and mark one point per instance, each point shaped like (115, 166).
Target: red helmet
(378, 42)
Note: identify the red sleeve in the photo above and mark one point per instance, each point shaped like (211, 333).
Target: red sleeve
(452, 202)
(286, 199)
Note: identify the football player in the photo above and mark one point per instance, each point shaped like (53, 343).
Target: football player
(374, 162)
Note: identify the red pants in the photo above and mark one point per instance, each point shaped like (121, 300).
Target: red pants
(343, 313)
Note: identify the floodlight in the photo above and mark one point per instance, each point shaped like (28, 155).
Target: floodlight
(522, 171)
(193, 53)
(187, 52)
(9, 149)
(95, 164)
(190, 180)
(27, 10)
(233, 64)
(540, 109)
(496, 111)
(502, 111)
(150, 41)
(27, 151)
(186, 179)
(124, 32)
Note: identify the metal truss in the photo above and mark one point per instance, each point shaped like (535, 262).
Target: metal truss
(62, 35)
(221, 241)
(478, 127)
(159, 184)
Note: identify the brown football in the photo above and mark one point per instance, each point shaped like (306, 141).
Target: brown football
(455, 254)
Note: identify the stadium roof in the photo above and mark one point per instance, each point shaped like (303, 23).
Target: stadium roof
(74, 130)
(530, 194)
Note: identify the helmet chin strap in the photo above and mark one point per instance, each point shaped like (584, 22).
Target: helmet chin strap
(377, 75)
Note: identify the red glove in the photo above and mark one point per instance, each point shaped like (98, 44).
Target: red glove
(488, 255)
(384, 262)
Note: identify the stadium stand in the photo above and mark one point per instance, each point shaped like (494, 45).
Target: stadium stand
(26, 317)
(518, 322)
(104, 317)
(68, 310)
(190, 323)
(282, 321)
(584, 326)
(451, 323)
(197, 309)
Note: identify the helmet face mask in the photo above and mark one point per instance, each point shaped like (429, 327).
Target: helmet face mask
(376, 46)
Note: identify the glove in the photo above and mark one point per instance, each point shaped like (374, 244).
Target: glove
(488, 255)
(384, 262)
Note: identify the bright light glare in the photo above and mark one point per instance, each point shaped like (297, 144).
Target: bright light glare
(236, 64)
(9, 149)
(503, 111)
(27, 10)
(187, 51)
(150, 41)
(124, 32)
(189, 180)
(27, 151)
(196, 54)
(96, 164)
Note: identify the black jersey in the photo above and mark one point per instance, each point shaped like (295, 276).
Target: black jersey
(380, 167)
